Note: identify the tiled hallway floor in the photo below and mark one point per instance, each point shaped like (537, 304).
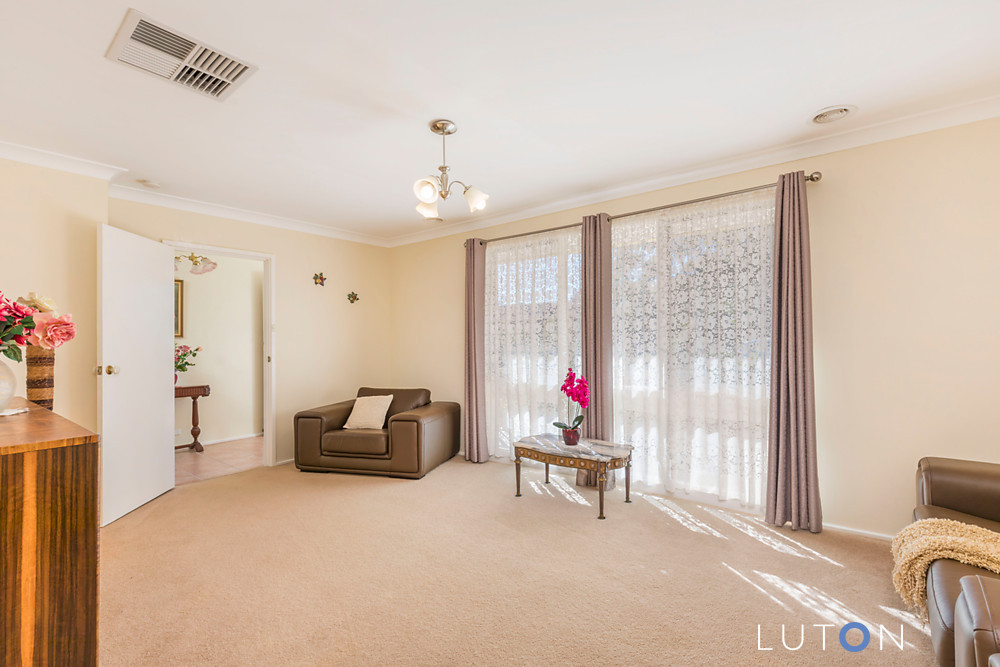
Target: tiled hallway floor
(217, 460)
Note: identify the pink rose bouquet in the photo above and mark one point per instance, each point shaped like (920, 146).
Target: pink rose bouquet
(183, 354)
(17, 321)
(578, 391)
(52, 331)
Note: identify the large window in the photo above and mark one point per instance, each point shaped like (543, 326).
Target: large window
(691, 329)
(532, 333)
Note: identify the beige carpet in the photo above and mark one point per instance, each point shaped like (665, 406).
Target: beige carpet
(273, 566)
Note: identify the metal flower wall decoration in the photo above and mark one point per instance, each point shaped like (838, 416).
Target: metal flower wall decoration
(353, 296)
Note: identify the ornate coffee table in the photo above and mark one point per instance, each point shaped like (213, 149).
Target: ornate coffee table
(596, 455)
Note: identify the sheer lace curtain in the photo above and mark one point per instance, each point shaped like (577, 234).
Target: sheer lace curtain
(532, 333)
(691, 331)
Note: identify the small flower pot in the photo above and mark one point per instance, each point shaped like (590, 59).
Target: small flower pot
(571, 436)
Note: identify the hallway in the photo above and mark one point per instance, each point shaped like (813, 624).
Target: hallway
(224, 458)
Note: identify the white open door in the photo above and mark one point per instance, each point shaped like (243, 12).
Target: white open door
(136, 337)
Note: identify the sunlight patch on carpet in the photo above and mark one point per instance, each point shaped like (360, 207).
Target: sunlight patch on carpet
(540, 488)
(762, 537)
(760, 522)
(829, 608)
(681, 516)
(568, 491)
(744, 578)
(908, 618)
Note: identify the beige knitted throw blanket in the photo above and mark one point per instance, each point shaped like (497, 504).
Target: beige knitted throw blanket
(927, 540)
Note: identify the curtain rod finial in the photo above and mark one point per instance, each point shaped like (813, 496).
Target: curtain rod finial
(814, 177)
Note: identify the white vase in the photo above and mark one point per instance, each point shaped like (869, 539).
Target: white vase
(8, 383)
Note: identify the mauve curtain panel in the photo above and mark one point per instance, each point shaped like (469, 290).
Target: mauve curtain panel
(597, 324)
(475, 354)
(792, 480)
(596, 332)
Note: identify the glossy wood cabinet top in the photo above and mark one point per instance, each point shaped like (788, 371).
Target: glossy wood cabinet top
(39, 429)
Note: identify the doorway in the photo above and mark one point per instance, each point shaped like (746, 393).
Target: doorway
(224, 317)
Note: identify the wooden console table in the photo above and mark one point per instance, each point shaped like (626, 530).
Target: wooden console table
(194, 392)
(48, 539)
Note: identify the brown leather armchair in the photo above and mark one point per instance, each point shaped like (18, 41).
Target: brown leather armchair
(967, 491)
(418, 435)
(977, 622)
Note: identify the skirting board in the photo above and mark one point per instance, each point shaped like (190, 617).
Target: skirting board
(281, 463)
(239, 437)
(857, 531)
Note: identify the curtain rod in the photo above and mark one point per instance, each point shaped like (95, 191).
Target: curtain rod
(813, 177)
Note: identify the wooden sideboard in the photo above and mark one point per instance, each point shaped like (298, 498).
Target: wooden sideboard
(48, 539)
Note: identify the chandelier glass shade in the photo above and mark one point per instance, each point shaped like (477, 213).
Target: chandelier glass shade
(426, 189)
(430, 189)
(199, 263)
(475, 198)
(428, 209)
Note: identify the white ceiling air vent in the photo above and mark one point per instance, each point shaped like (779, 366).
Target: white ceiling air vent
(151, 46)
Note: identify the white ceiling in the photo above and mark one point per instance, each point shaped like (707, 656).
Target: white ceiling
(555, 102)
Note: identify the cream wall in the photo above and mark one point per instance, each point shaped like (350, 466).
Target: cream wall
(904, 284)
(906, 309)
(324, 346)
(223, 314)
(48, 244)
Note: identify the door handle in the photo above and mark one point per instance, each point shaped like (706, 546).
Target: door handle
(111, 370)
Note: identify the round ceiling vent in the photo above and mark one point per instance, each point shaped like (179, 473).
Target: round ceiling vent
(831, 114)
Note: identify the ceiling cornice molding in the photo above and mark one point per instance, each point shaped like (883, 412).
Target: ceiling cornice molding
(920, 123)
(929, 121)
(243, 215)
(58, 161)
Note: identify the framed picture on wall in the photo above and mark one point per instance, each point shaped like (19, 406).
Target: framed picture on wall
(178, 308)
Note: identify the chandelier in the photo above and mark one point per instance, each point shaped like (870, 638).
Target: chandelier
(199, 264)
(429, 190)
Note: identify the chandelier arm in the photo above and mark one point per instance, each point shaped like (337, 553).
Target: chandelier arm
(464, 186)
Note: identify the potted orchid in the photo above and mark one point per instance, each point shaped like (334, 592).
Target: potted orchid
(578, 391)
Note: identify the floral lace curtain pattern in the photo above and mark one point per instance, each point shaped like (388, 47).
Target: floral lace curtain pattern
(532, 333)
(691, 331)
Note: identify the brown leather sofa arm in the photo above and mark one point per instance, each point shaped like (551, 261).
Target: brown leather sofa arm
(331, 417)
(427, 413)
(977, 621)
(423, 438)
(972, 487)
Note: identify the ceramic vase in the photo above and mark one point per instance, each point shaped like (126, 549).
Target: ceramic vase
(39, 386)
(8, 383)
(571, 436)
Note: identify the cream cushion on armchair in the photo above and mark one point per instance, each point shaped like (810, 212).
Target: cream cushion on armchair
(369, 412)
